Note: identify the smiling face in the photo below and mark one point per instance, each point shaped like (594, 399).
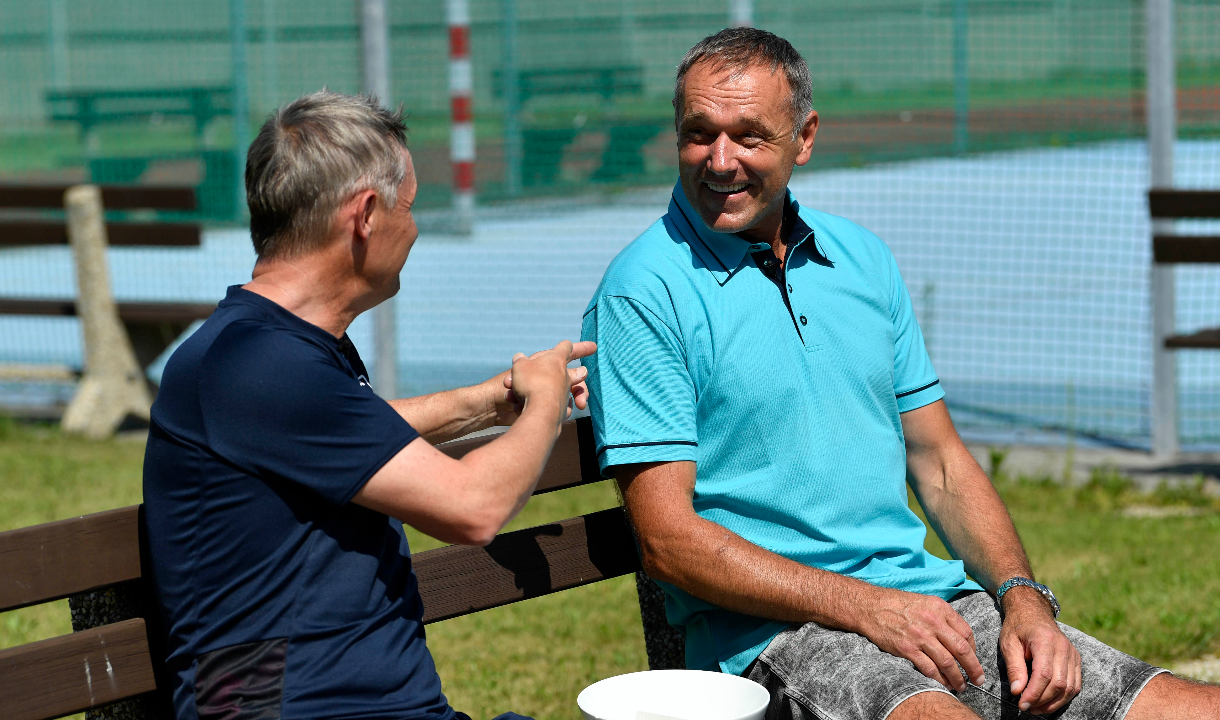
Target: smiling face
(735, 147)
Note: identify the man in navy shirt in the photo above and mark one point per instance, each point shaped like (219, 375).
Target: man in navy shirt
(275, 480)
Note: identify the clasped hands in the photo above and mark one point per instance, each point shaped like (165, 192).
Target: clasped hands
(545, 372)
(1043, 666)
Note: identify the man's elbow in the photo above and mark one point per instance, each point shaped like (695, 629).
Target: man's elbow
(656, 562)
(478, 530)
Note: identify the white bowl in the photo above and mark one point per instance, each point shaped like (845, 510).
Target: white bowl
(674, 695)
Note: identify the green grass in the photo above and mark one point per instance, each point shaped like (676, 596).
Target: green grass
(1145, 585)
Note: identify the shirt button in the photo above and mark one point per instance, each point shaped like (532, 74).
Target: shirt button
(804, 320)
(789, 288)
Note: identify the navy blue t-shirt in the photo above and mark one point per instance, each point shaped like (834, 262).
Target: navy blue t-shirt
(282, 598)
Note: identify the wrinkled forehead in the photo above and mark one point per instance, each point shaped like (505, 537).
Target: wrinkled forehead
(751, 91)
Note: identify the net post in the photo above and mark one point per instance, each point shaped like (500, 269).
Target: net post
(461, 134)
(1161, 100)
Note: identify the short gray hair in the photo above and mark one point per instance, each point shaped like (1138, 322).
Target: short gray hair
(309, 157)
(738, 49)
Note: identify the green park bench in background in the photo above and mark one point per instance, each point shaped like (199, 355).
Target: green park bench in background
(1164, 204)
(93, 108)
(543, 147)
(115, 652)
(29, 221)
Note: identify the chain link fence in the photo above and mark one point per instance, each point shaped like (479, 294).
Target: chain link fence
(997, 146)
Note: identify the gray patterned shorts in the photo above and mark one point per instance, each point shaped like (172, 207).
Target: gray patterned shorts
(813, 672)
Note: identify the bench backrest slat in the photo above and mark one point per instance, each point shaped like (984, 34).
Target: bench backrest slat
(1185, 249)
(76, 672)
(457, 580)
(128, 311)
(1165, 203)
(22, 233)
(114, 197)
(47, 562)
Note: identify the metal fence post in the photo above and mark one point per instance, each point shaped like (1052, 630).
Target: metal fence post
(512, 97)
(961, 77)
(241, 99)
(1161, 94)
(375, 40)
(741, 13)
(57, 29)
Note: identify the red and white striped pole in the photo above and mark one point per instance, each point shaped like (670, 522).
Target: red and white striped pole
(461, 134)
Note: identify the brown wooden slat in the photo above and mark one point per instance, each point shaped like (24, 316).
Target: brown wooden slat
(572, 461)
(130, 312)
(76, 672)
(22, 233)
(1165, 203)
(114, 197)
(458, 580)
(1185, 249)
(55, 560)
(1202, 340)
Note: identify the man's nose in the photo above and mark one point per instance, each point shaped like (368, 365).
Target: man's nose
(724, 155)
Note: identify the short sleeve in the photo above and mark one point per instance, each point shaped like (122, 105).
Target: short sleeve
(915, 380)
(641, 396)
(283, 407)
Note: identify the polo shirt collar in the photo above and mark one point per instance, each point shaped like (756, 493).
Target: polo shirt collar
(722, 253)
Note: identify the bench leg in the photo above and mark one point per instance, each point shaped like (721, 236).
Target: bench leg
(665, 645)
(113, 388)
(114, 604)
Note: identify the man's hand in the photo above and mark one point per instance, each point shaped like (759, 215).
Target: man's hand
(1043, 665)
(927, 631)
(511, 401)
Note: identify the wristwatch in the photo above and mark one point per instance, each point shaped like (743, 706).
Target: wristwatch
(1046, 592)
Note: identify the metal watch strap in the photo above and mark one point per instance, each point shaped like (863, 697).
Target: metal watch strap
(1044, 590)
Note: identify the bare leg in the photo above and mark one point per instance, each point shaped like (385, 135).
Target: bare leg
(1166, 697)
(932, 706)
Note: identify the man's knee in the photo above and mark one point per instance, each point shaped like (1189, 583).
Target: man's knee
(1166, 697)
(932, 705)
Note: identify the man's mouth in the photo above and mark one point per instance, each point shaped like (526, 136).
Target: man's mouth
(726, 189)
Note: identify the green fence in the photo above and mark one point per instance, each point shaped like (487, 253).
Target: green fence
(995, 144)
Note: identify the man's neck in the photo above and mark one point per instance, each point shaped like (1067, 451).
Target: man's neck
(311, 289)
(774, 230)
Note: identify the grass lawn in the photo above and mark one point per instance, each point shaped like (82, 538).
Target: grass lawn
(1144, 582)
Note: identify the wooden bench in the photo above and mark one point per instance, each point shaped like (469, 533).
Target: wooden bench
(28, 221)
(1165, 204)
(116, 652)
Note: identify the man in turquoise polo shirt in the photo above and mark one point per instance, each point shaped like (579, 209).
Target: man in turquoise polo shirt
(761, 393)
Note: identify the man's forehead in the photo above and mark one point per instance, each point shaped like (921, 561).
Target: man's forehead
(755, 91)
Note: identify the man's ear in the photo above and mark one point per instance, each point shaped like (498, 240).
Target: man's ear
(809, 130)
(365, 203)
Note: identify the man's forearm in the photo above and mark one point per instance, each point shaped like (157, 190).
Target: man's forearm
(699, 557)
(450, 414)
(969, 516)
(717, 565)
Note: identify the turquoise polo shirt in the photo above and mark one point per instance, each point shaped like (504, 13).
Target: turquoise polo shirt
(786, 395)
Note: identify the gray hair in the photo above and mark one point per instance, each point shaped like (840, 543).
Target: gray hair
(738, 49)
(309, 157)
